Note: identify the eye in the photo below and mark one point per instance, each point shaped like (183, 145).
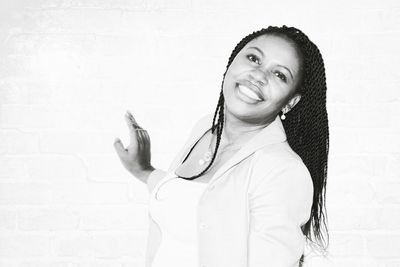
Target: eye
(281, 76)
(253, 58)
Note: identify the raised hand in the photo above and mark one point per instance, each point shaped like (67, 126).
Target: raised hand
(136, 158)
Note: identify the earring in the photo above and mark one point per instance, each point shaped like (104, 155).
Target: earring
(284, 111)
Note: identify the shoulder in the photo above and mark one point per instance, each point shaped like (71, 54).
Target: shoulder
(279, 163)
(278, 151)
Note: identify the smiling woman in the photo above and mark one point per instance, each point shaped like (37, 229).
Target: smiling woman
(264, 75)
(262, 190)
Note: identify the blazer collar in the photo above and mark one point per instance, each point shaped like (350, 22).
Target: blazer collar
(271, 134)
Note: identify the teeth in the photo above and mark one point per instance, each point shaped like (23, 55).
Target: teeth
(248, 92)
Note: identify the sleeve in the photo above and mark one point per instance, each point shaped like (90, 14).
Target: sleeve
(153, 241)
(155, 176)
(279, 205)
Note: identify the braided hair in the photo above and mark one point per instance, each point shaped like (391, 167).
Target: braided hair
(306, 125)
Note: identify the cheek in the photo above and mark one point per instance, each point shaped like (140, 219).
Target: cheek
(238, 66)
(275, 89)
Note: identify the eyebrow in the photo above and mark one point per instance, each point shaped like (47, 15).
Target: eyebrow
(262, 53)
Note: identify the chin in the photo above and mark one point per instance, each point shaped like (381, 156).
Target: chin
(241, 110)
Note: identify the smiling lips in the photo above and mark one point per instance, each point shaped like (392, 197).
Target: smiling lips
(250, 90)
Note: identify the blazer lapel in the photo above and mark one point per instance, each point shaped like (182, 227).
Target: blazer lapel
(273, 133)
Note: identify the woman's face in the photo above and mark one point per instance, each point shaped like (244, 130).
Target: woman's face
(261, 79)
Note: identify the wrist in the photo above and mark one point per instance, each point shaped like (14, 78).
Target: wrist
(143, 173)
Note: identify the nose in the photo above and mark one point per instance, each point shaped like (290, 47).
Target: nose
(258, 77)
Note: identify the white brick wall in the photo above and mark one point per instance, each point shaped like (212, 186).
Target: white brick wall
(70, 69)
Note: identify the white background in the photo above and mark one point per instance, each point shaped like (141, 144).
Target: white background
(70, 69)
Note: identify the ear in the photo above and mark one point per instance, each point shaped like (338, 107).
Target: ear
(293, 101)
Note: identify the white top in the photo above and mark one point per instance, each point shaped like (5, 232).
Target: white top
(253, 207)
(173, 206)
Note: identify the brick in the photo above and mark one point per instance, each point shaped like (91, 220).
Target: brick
(9, 263)
(114, 245)
(18, 245)
(8, 219)
(168, 5)
(64, 168)
(25, 194)
(372, 20)
(100, 88)
(138, 192)
(342, 262)
(76, 142)
(95, 4)
(388, 193)
(377, 245)
(20, 42)
(18, 142)
(107, 263)
(53, 219)
(358, 166)
(133, 263)
(356, 218)
(115, 217)
(362, 4)
(48, 263)
(384, 42)
(80, 20)
(348, 193)
(365, 90)
(73, 244)
(89, 193)
(392, 170)
(391, 263)
(346, 244)
(106, 168)
(13, 168)
(91, 118)
(358, 140)
(346, 70)
(365, 116)
(30, 117)
(15, 65)
(21, 91)
(388, 218)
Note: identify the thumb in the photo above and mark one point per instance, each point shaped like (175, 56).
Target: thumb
(119, 147)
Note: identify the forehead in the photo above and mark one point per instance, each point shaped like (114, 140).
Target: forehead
(275, 48)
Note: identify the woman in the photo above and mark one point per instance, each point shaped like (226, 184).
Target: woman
(253, 183)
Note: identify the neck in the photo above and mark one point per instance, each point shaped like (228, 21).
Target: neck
(237, 131)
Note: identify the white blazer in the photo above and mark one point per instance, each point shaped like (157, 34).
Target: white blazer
(252, 210)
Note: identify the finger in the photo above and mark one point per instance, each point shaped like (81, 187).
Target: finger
(132, 119)
(119, 147)
(146, 139)
(128, 121)
(140, 139)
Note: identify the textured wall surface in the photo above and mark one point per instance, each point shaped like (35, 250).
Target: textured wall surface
(69, 69)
